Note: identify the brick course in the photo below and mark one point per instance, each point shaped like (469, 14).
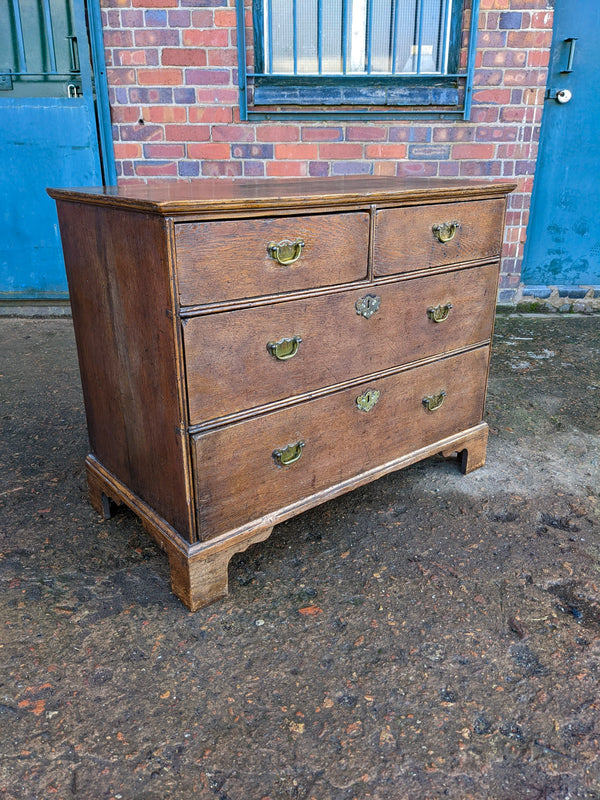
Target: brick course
(172, 73)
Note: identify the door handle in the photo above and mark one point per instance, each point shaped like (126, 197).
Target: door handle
(560, 95)
(572, 41)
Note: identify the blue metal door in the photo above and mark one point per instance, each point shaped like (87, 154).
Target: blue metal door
(563, 237)
(49, 136)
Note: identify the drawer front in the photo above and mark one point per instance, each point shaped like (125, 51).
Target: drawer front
(243, 258)
(322, 341)
(238, 471)
(408, 239)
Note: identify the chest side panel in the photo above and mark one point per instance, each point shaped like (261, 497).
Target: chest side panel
(120, 289)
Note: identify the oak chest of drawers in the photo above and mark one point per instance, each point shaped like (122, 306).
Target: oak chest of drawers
(251, 349)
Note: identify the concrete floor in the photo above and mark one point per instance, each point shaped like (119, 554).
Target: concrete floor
(428, 636)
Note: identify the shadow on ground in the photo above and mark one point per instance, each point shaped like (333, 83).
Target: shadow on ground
(427, 636)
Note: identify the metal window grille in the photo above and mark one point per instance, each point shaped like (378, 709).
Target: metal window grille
(38, 48)
(356, 37)
(403, 53)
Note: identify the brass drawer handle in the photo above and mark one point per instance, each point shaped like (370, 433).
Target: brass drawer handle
(434, 401)
(367, 400)
(285, 252)
(368, 305)
(284, 349)
(439, 313)
(288, 455)
(446, 231)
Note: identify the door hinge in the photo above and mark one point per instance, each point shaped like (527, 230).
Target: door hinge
(6, 82)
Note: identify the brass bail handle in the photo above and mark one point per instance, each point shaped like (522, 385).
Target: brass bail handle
(284, 349)
(445, 231)
(285, 252)
(434, 401)
(439, 313)
(285, 456)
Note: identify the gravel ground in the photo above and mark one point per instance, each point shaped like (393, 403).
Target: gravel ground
(431, 635)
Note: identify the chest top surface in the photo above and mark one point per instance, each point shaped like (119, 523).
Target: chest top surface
(175, 198)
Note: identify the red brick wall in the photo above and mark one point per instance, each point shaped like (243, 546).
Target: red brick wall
(174, 98)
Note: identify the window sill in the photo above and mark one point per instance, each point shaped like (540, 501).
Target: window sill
(334, 92)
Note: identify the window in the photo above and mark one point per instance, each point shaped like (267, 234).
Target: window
(355, 37)
(365, 57)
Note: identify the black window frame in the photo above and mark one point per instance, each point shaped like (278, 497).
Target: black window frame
(355, 96)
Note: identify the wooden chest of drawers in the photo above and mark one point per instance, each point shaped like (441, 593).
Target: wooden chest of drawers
(251, 349)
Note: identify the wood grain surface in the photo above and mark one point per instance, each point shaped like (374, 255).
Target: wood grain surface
(225, 260)
(223, 196)
(229, 368)
(119, 284)
(238, 480)
(404, 240)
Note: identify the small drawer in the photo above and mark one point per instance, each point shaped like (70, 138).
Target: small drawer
(249, 469)
(243, 258)
(246, 358)
(408, 239)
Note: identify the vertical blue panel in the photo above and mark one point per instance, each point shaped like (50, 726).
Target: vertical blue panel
(241, 51)
(420, 35)
(22, 61)
(320, 35)
(44, 141)
(49, 35)
(345, 34)
(369, 35)
(471, 59)
(102, 103)
(295, 24)
(563, 237)
(395, 12)
(441, 61)
(270, 15)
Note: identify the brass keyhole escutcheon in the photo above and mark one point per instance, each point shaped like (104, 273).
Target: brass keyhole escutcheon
(368, 305)
(434, 401)
(445, 231)
(439, 313)
(366, 401)
(285, 456)
(284, 349)
(285, 252)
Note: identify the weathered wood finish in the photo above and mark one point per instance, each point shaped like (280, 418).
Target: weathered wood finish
(405, 241)
(228, 260)
(175, 298)
(120, 292)
(341, 441)
(229, 368)
(227, 198)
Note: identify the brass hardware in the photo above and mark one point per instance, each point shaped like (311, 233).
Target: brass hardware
(367, 400)
(433, 401)
(286, 252)
(284, 349)
(439, 313)
(367, 306)
(288, 455)
(446, 231)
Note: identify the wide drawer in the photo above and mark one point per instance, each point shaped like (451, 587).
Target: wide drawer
(408, 239)
(242, 258)
(239, 478)
(230, 368)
